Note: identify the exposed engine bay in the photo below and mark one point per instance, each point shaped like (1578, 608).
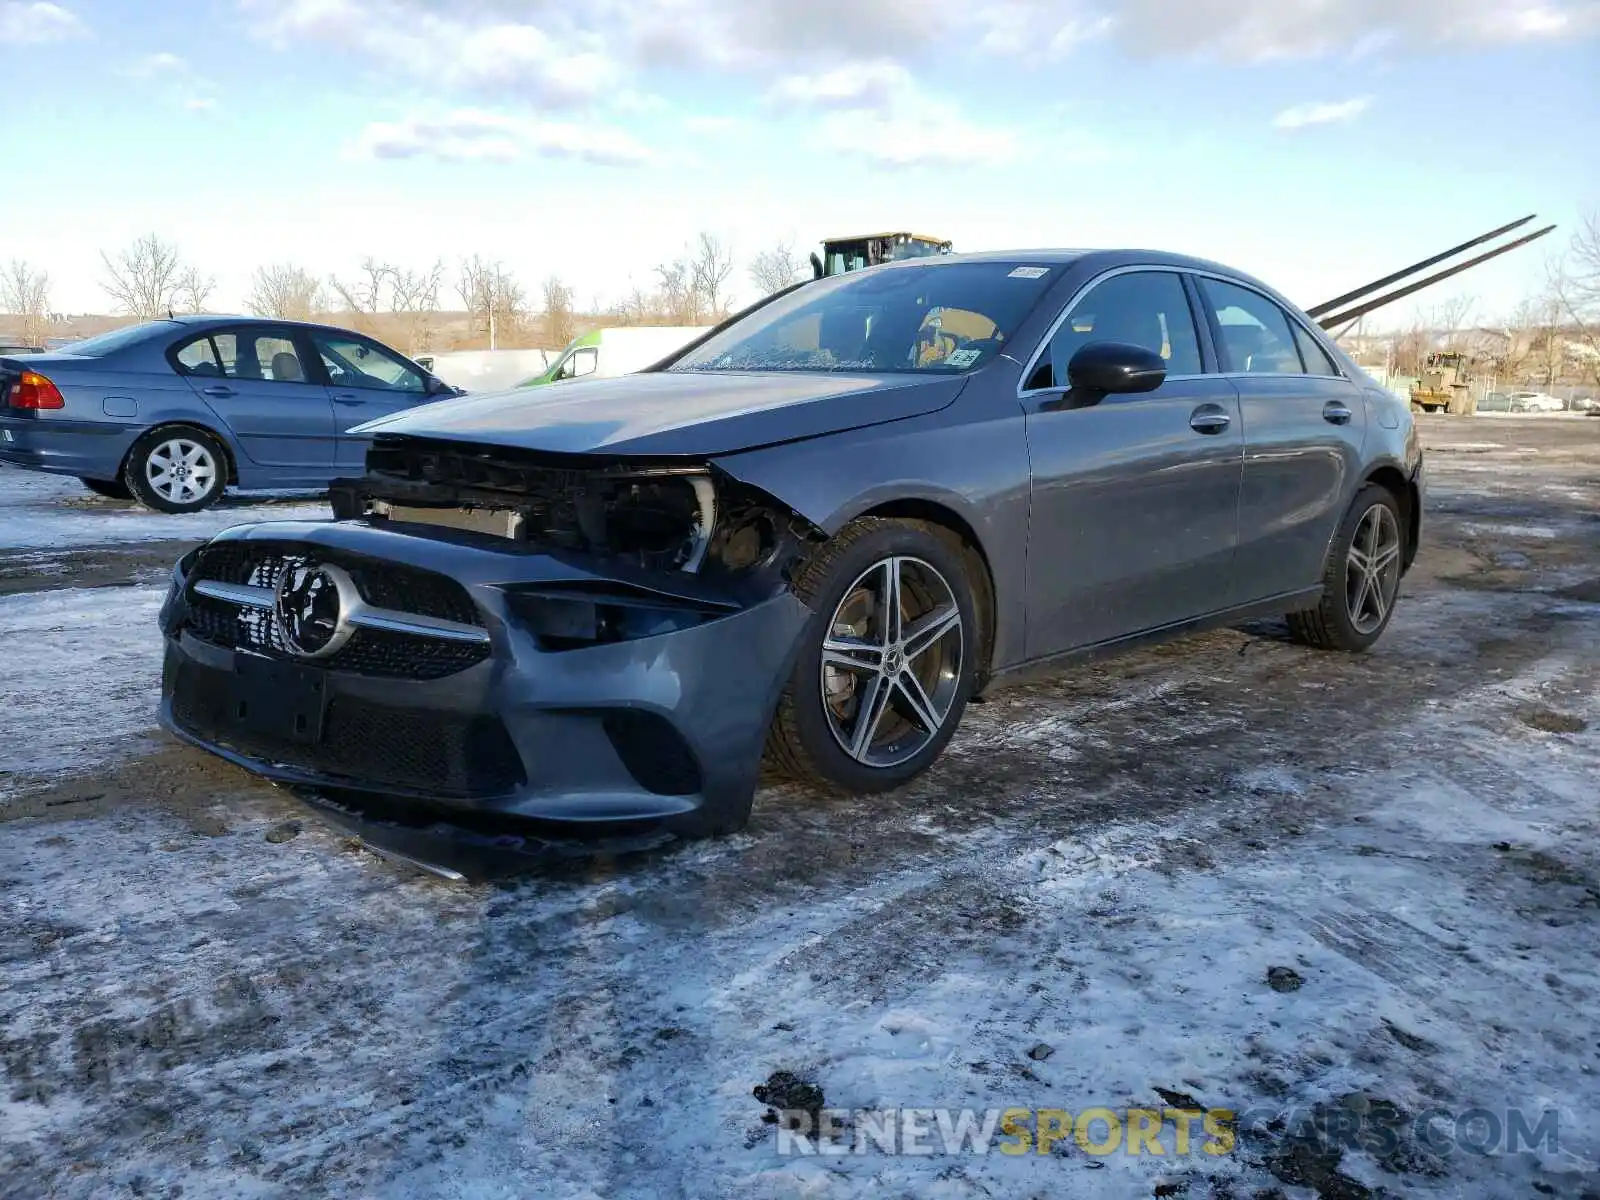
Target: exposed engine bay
(661, 516)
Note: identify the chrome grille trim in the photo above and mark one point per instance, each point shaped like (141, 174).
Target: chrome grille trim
(359, 615)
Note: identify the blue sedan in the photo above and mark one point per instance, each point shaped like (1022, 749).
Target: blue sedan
(172, 412)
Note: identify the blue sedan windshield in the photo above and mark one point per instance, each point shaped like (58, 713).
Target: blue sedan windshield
(940, 317)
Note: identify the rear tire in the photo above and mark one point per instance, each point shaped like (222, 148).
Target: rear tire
(111, 489)
(1360, 580)
(877, 705)
(177, 469)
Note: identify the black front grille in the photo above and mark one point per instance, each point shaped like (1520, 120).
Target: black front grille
(378, 652)
(374, 745)
(653, 752)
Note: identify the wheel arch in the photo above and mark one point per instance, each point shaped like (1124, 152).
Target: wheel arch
(1391, 478)
(229, 455)
(944, 521)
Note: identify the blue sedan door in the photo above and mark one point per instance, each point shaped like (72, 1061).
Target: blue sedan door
(366, 381)
(254, 378)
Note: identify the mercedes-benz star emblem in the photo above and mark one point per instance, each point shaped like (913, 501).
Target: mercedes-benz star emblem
(311, 608)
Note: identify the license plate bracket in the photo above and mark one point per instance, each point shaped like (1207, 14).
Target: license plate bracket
(276, 699)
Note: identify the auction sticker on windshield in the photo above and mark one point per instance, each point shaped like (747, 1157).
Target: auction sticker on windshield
(1029, 273)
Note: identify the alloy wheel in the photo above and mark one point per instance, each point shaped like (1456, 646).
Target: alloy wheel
(181, 471)
(891, 661)
(1372, 569)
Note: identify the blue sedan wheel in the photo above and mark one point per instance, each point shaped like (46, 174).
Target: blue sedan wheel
(177, 470)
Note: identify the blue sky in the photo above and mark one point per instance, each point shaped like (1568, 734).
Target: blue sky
(1316, 144)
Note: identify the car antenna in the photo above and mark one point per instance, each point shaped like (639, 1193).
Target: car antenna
(169, 315)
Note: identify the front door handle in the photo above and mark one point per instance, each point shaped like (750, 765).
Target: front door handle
(220, 390)
(346, 398)
(1337, 411)
(1209, 418)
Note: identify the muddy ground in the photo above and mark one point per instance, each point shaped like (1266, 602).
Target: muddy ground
(208, 989)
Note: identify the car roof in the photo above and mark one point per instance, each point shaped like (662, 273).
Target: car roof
(1106, 256)
(1092, 261)
(215, 320)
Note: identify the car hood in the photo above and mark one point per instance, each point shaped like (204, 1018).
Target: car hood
(674, 413)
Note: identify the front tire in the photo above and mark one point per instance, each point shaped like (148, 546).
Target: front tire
(111, 489)
(1361, 579)
(887, 662)
(178, 469)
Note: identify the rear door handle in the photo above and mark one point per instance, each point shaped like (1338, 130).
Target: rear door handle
(1337, 411)
(1209, 418)
(220, 390)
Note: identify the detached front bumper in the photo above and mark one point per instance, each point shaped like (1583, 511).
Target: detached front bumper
(666, 727)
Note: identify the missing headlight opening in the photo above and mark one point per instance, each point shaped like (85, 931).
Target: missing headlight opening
(654, 516)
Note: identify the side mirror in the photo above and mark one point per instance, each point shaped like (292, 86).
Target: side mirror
(438, 387)
(1116, 367)
(816, 266)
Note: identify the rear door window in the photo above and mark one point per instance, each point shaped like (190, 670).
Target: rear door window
(198, 357)
(249, 357)
(1312, 354)
(1255, 335)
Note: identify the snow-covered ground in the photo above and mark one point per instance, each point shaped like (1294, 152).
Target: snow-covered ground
(80, 665)
(39, 511)
(1080, 907)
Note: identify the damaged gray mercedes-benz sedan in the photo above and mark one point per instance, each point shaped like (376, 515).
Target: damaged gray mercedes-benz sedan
(810, 537)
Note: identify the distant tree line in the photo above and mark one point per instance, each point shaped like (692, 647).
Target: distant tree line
(151, 278)
(1553, 334)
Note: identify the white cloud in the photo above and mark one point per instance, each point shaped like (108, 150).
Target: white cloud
(1263, 30)
(1321, 113)
(34, 21)
(923, 132)
(1078, 30)
(557, 54)
(163, 63)
(879, 84)
(470, 134)
(739, 33)
(172, 77)
(444, 45)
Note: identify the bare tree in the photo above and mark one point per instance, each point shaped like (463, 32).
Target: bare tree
(1411, 348)
(1536, 350)
(710, 268)
(1450, 319)
(286, 292)
(145, 278)
(494, 299)
(411, 295)
(1575, 289)
(637, 307)
(25, 293)
(1525, 337)
(775, 269)
(559, 326)
(365, 293)
(193, 290)
(679, 298)
(414, 296)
